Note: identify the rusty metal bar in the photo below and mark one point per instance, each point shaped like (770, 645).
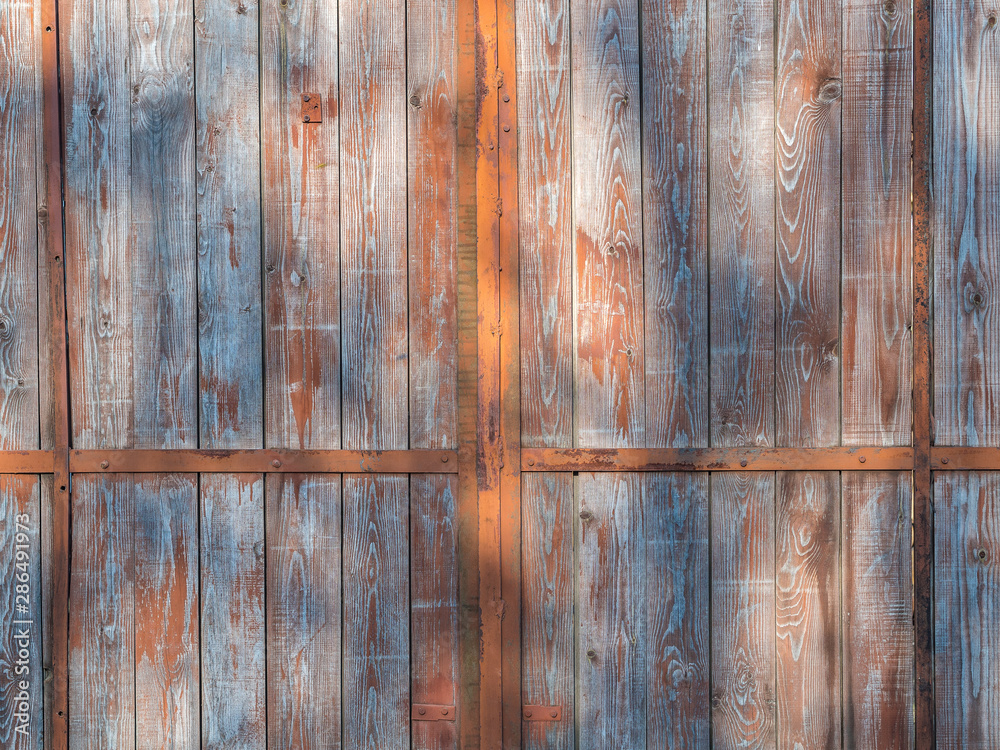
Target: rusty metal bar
(541, 713)
(50, 224)
(717, 459)
(964, 458)
(27, 462)
(432, 712)
(923, 515)
(265, 461)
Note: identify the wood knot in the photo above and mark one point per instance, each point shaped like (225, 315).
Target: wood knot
(591, 654)
(889, 7)
(586, 515)
(991, 20)
(415, 101)
(830, 91)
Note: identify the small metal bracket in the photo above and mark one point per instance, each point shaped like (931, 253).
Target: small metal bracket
(312, 107)
(433, 712)
(541, 713)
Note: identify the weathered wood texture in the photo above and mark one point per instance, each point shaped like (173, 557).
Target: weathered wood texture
(877, 611)
(966, 190)
(967, 610)
(877, 233)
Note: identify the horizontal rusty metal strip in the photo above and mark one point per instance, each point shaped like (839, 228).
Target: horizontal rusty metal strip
(717, 459)
(265, 460)
(27, 462)
(963, 458)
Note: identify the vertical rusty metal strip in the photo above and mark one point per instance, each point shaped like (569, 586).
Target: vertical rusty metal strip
(510, 370)
(489, 459)
(923, 532)
(51, 219)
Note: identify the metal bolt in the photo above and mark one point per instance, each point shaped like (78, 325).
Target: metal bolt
(306, 118)
(105, 464)
(506, 128)
(506, 98)
(945, 460)
(305, 97)
(421, 711)
(276, 464)
(862, 459)
(444, 459)
(444, 711)
(527, 714)
(743, 462)
(553, 713)
(531, 462)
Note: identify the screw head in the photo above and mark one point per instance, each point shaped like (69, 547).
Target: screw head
(305, 97)
(553, 713)
(945, 460)
(743, 462)
(444, 459)
(862, 459)
(421, 711)
(306, 118)
(276, 463)
(105, 464)
(444, 711)
(531, 462)
(527, 714)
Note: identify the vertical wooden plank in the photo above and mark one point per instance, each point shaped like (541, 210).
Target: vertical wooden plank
(303, 611)
(545, 231)
(376, 662)
(167, 685)
(741, 217)
(98, 208)
(678, 593)
(102, 625)
(301, 166)
(373, 223)
(877, 232)
(19, 113)
(611, 594)
(20, 613)
(434, 605)
(163, 230)
(967, 610)
(431, 154)
(675, 221)
(743, 611)
(807, 606)
(548, 586)
(877, 611)
(228, 201)
(807, 225)
(608, 402)
(232, 611)
(966, 189)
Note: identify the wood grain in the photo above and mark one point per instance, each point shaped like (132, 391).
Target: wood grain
(675, 221)
(98, 208)
(877, 611)
(807, 607)
(966, 234)
(432, 142)
(102, 624)
(232, 611)
(20, 110)
(373, 224)
(743, 611)
(967, 610)
(229, 242)
(21, 614)
(167, 682)
(741, 217)
(376, 646)
(877, 234)
(303, 611)
(162, 229)
(548, 587)
(608, 400)
(434, 606)
(545, 233)
(611, 641)
(301, 215)
(807, 223)
(677, 610)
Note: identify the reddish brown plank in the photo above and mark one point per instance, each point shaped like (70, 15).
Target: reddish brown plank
(303, 611)
(675, 221)
(376, 646)
(300, 170)
(545, 231)
(678, 591)
(877, 611)
(232, 611)
(807, 606)
(101, 623)
(743, 611)
(741, 220)
(548, 587)
(967, 610)
(877, 233)
(167, 683)
(433, 606)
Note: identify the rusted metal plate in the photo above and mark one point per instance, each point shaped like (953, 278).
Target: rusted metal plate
(312, 107)
(541, 713)
(263, 461)
(27, 462)
(963, 458)
(433, 712)
(717, 459)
